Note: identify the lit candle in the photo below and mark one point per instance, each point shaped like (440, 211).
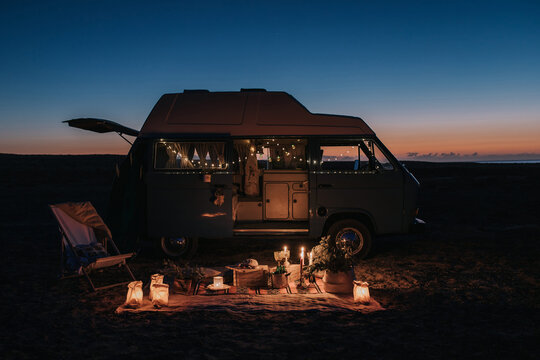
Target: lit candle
(311, 257)
(301, 262)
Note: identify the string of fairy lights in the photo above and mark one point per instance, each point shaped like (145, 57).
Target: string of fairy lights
(262, 150)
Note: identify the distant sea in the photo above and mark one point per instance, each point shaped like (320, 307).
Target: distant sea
(509, 162)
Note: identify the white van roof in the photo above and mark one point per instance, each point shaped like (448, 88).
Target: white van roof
(244, 113)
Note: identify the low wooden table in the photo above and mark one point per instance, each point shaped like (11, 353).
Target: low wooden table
(250, 277)
(215, 291)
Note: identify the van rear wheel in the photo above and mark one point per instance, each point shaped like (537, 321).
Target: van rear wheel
(351, 236)
(178, 247)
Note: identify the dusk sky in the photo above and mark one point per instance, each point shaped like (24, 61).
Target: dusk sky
(432, 78)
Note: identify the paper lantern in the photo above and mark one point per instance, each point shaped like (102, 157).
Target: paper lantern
(361, 292)
(135, 294)
(218, 282)
(160, 295)
(154, 279)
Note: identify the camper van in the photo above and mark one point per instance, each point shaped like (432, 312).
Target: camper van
(254, 163)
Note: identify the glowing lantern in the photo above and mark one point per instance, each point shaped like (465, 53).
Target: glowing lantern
(154, 279)
(160, 295)
(361, 292)
(218, 282)
(135, 294)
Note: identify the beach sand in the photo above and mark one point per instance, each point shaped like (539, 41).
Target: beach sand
(469, 287)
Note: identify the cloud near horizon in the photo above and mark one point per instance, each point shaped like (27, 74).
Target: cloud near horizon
(475, 156)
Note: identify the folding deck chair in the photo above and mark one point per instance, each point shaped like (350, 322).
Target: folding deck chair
(85, 239)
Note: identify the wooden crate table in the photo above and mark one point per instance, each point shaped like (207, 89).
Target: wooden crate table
(215, 291)
(250, 277)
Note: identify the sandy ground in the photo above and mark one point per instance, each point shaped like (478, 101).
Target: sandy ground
(467, 288)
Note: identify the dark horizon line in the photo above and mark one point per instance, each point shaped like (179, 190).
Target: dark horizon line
(400, 160)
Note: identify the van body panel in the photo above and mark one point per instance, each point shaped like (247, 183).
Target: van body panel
(316, 222)
(380, 195)
(181, 204)
(257, 113)
(411, 188)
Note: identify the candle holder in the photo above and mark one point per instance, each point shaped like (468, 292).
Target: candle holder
(154, 279)
(286, 256)
(134, 297)
(278, 256)
(218, 282)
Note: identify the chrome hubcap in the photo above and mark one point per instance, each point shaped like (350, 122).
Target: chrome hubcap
(350, 241)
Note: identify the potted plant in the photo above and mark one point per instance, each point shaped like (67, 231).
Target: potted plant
(336, 264)
(280, 277)
(183, 275)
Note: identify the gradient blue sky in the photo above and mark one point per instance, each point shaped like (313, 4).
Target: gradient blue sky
(430, 77)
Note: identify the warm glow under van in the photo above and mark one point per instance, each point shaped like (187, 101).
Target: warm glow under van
(254, 163)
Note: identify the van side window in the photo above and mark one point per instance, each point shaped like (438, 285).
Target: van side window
(357, 156)
(272, 153)
(380, 157)
(190, 155)
(345, 157)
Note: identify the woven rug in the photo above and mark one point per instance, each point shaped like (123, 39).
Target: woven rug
(288, 299)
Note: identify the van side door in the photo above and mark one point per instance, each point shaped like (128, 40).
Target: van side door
(189, 191)
(356, 177)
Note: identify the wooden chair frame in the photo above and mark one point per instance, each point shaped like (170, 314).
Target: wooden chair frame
(99, 263)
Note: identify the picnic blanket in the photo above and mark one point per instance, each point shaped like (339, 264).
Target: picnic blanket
(259, 300)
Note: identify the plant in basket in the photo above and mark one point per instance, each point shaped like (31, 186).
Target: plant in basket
(279, 277)
(183, 275)
(336, 264)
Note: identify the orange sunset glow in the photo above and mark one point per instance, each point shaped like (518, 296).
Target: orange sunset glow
(516, 140)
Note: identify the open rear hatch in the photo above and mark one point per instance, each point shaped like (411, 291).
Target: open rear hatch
(102, 126)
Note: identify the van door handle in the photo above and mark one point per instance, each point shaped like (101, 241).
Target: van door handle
(324, 186)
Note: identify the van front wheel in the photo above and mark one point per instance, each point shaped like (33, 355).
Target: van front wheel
(178, 247)
(351, 236)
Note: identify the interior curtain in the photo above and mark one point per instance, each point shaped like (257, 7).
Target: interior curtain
(243, 152)
(171, 157)
(202, 151)
(251, 181)
(184, 160)
(217, 154)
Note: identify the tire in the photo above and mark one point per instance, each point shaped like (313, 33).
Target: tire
(352, 236)
(178, 248)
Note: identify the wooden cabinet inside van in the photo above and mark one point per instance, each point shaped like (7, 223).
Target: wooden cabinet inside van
(285, 195)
